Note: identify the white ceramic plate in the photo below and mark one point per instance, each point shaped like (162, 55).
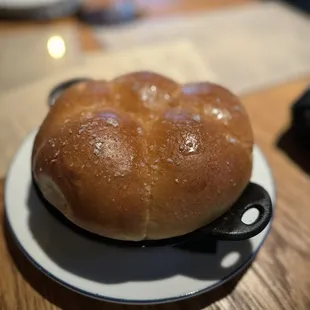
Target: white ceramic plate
(131, 275)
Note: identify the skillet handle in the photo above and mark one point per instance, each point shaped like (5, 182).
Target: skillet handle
(230, 226)
(58, 89)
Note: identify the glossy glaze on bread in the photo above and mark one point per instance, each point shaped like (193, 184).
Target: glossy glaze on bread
(143, 157)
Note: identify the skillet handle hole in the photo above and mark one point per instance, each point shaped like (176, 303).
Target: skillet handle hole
(251, 215)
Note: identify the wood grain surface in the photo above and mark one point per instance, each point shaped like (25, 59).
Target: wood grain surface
(279, 278)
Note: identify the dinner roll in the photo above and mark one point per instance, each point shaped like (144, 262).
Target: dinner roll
(142, 157)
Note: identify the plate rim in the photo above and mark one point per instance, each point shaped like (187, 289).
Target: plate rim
(101, 297)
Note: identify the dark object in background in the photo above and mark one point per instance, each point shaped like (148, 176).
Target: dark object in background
(38, 10)
(301, 118)
(295, 142)
(303, 5)
(117, 13)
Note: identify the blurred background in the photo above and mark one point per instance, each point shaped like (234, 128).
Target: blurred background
(248, 44)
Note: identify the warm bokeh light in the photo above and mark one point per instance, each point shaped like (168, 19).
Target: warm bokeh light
(56, 47)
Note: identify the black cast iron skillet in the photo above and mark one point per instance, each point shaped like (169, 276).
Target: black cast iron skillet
(227, 227)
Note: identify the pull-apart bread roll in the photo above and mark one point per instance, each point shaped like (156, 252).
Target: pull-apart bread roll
(143, 157)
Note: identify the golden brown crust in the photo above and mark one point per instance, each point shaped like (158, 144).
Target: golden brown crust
(143, 157)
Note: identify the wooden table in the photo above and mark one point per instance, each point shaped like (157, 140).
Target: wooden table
(279, 278)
